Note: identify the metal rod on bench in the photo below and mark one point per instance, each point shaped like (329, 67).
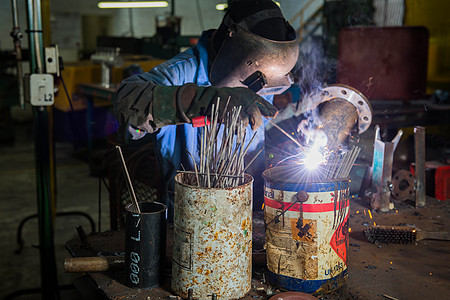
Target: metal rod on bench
(419, 143)
(128, 181)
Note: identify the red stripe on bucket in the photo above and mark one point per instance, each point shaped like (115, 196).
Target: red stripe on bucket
(307, 207)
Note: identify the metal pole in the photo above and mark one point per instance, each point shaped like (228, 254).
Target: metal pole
(419, 144)
(17, 36)
(43, 161)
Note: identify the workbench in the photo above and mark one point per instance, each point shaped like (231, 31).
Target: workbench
(111, 285)
(374, 270)
(401, 271)
(419, 112)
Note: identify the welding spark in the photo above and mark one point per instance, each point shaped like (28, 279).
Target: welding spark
(313, 159)
(315, 154)
(308, 161)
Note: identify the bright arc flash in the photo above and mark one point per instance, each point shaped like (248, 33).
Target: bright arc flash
(313, 159)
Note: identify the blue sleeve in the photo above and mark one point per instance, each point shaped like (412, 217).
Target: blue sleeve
(133, 100)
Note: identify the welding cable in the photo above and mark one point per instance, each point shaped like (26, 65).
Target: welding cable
(277, 217)
(67, 93)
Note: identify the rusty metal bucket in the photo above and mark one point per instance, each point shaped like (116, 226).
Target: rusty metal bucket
(212, 249)
(306, 231)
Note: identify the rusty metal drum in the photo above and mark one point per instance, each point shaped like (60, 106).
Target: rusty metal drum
(306, 231)
(212, 248)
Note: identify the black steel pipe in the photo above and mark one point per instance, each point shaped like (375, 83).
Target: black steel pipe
(337, 117)
(145, 245)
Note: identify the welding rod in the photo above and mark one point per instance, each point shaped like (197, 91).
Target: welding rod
(339, 168)
(253, 159)
(326, 167)
(329, 166)
(211, 174)
(355, 153)
(349, 163)
(334, 167)
(343, 165)
(128, 180)
(284, 132)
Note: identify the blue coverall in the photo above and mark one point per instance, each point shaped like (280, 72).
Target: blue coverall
(172, 141)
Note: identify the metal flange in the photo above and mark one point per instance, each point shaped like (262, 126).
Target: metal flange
(361, 103)
(403, 185)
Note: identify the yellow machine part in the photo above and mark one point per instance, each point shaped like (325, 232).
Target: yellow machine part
(434, 16)
(89, 72)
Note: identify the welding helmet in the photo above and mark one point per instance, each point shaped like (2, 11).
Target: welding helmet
(257, 51)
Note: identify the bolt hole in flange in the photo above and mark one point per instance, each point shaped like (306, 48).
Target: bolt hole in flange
(403, 185)
(355, 97)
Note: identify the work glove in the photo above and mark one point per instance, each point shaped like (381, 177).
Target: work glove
(192, 101)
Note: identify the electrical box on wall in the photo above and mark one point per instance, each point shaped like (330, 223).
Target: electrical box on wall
(41, 89)
(52, 60)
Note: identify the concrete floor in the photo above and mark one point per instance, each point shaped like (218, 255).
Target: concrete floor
(416, 271)
(77, 190)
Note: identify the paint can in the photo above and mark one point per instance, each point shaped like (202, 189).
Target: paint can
(306, 231)
(212, 248)
(145, 245)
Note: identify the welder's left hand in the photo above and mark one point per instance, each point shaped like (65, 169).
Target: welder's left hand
(180, 104)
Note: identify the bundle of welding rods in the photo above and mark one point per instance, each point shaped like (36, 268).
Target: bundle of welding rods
(222, 166)
(340, 165)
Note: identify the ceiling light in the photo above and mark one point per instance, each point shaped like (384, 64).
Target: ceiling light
(223, 6)
(132, 4)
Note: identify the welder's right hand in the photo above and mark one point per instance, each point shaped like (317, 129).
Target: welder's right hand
(193, 101)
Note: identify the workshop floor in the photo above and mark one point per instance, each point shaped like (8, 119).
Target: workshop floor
(412, 271)
(401, 271)
(77, 191)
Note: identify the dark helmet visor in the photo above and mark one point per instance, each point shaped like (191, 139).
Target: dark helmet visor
(244, 56)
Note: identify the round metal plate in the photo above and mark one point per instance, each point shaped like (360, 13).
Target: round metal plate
(353, 96)
(403, 185)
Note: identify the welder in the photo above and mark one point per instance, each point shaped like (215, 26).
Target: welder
(247, 59)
